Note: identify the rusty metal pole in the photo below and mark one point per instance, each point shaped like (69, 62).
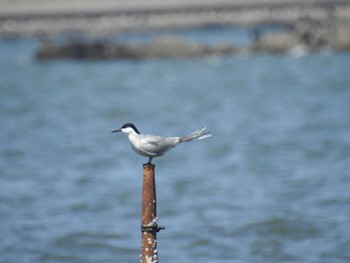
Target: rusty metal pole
(149, 226)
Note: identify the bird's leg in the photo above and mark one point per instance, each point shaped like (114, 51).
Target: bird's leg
(149, 160)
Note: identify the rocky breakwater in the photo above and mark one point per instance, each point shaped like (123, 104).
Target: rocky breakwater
(161, 47)
(305, 26)
(298, 39)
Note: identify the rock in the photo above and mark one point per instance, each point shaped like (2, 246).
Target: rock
(74, 50)
(274, 43)
(162, 47)
(340, 37)
(175, 47)
(308, 36)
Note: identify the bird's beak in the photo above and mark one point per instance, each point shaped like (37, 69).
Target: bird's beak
(116, 131)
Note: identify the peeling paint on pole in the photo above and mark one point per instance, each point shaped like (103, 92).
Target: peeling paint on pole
(149, 226)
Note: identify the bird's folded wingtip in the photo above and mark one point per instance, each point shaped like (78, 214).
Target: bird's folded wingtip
(205, 135)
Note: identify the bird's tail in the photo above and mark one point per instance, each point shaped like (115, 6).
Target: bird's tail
(200, 134)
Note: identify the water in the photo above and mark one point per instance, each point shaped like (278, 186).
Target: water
(272, 185)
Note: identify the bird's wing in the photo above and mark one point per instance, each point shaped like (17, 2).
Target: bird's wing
(151, 141)
(157, 145)
(150, 145)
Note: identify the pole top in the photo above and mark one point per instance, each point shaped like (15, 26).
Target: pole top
(148, 165)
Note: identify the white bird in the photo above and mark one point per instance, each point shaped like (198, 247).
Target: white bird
(153, 146)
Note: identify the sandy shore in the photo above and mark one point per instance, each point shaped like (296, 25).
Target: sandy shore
(47, 18)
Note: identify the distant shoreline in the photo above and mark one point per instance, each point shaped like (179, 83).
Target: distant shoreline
(25, 10)
(99, 21)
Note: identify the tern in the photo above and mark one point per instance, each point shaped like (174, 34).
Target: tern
(153, 146)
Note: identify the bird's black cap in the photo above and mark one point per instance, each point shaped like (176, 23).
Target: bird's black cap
(128, 125)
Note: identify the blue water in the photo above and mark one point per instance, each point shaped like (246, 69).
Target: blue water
(271, 185)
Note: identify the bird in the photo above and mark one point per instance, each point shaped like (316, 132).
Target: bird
(152, 146)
